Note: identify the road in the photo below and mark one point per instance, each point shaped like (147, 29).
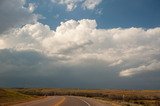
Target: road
(64, 101)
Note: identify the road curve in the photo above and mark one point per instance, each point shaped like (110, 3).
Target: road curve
(64, 101)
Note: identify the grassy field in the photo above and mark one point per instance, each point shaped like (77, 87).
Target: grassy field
(123, 97)
(9, 97)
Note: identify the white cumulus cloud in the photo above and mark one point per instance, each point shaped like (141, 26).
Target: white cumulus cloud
(72, 4)
(130, 51)
(91, 4)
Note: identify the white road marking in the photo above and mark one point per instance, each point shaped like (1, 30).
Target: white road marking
(85, 102)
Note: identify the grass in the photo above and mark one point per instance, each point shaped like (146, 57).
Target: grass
(123, 97)
(9, 96)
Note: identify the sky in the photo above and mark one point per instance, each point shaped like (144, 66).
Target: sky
(89, 44)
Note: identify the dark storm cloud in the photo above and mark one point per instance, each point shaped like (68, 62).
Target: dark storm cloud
(32, 69)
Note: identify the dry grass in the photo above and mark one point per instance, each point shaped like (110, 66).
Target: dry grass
(8, 97)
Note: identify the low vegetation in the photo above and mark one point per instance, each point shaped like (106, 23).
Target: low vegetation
(123, 97)
(9, 96)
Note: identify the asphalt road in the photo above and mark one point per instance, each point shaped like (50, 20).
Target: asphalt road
(64, 101)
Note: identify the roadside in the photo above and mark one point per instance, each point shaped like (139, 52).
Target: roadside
(10, 97)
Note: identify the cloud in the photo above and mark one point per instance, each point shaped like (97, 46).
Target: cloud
(91, 4)
(141, 69)
(15, 14)
(80, 49)
(72, 4)
(74, 51)
(2, 44)
(98, 11)
(29, 36)
(72, 41)
(32, 7)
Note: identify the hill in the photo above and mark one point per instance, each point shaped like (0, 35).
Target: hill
(8, 97)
